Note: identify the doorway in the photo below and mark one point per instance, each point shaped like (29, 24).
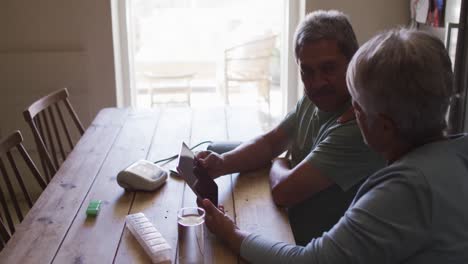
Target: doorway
(174, 53)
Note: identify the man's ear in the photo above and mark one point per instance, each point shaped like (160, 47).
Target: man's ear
(389, 128)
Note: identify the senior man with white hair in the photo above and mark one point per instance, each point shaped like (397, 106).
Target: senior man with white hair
(412, 211)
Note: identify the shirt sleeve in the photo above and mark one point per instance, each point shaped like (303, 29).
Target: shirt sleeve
(344, 157)
(289, 123)
(388, 224)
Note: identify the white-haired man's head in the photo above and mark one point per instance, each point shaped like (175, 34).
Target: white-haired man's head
(406, 76)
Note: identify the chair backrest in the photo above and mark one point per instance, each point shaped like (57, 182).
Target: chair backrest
(49, 137)
(249, 61)
(13, 179)
(4, 234)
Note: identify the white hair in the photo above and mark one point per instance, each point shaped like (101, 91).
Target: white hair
(333, 25)
(407, 75)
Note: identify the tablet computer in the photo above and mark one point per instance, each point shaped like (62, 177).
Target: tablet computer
(196, 177)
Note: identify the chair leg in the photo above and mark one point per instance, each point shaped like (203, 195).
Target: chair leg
(188, 98)
(152, 97)
(226, 96)
(267, 93)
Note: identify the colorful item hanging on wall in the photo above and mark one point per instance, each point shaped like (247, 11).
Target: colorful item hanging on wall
(429, 12)
(435, 16)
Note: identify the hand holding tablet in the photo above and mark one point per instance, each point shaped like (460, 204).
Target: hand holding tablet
(196, 177)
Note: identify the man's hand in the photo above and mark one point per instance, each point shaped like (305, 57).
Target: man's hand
(222, 225)
(212, 163)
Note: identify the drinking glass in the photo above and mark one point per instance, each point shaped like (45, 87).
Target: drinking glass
(191, 235)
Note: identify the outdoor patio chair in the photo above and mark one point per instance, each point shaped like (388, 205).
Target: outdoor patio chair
(169, 84)
(249, 62)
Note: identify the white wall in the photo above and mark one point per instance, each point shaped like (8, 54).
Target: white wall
(368, 17)
(49, 44)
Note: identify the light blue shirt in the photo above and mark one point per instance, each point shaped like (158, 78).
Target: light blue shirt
(413, 211)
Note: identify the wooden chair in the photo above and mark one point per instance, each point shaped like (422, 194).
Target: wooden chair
(8, 144)
(249, 62)
(49, 137)
(4, 234)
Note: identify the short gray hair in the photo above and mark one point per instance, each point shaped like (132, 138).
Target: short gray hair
(407, 75)
(330, 24)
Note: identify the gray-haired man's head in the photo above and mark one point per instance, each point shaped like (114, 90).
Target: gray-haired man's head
(332, 25)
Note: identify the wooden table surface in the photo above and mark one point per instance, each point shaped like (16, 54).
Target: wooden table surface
(57, 230)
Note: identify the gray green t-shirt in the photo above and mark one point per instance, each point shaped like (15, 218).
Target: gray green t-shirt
(413, 211)
(338, 151)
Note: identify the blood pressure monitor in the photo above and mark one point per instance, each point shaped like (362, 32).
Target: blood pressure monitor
(142, 175)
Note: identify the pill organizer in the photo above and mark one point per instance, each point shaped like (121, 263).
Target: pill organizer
(149, 238)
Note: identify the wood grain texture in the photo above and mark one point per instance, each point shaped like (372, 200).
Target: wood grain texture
(56, 230)
(210, 124)
(95, 239)
(255, 209)
(161, 206)
(39, 236)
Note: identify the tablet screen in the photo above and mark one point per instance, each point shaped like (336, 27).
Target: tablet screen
(198, 180)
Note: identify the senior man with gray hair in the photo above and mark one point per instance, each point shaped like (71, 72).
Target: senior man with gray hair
(329, 159)
(412, 211)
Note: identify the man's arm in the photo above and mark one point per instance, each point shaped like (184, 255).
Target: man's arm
(256, 153)
(251, 155)
(341, 158)
(290, 186)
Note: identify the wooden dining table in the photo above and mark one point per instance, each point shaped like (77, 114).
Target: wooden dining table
(58, 230)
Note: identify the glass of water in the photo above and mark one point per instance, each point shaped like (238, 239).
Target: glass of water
(191, 244)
